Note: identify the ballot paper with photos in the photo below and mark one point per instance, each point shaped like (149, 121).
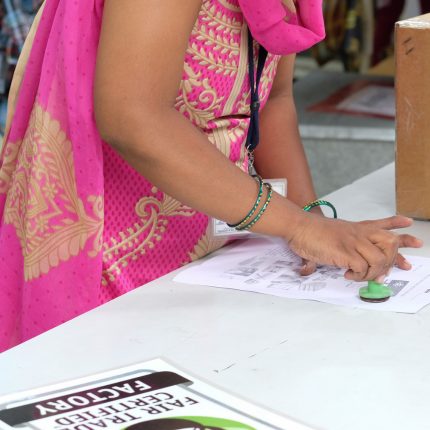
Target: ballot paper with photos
(269, 266)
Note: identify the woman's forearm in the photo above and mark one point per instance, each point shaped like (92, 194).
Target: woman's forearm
(173, 155)
(280, 153)
(138, 73)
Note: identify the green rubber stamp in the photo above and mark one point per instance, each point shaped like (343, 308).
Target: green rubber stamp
(375, 293)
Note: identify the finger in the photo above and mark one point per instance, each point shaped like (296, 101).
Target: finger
(390, 223)
(377, 260)
(358, 268)
(402, 263)
(308, 268)
(408, 241)
(349, 275)
(388, 243)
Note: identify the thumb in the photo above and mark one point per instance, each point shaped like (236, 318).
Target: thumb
(308, 268)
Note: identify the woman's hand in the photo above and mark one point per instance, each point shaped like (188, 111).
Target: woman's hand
(406, 240)
(368, 250)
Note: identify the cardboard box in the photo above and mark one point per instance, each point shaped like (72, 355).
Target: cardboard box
(413, 117)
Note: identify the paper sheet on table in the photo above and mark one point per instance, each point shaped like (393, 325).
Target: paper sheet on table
(373, 99)
(269, 266)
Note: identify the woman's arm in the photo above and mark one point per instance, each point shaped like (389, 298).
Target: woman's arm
(280, 153)
(139, 68)
(19, 73)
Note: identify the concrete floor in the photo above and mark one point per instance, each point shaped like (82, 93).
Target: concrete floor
(335, 164)
(340, 148)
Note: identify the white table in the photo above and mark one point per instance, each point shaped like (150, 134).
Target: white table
(335, 367)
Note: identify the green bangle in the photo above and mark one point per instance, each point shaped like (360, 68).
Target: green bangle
(320, 203)
(237, 226)
(261, 212)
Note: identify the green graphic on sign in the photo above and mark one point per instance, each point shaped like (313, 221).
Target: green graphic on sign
(195, 423)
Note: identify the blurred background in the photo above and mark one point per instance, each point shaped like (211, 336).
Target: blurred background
(344, 90)
(16, 17)
(343, 86)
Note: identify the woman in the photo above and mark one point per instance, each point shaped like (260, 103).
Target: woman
(109, 174)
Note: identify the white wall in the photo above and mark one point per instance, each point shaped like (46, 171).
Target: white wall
(412, 8)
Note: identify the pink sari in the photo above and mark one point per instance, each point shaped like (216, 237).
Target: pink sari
(79, 226)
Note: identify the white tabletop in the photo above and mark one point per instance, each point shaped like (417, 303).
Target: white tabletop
(335, 367)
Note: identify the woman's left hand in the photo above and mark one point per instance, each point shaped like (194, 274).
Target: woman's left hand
(394, 222)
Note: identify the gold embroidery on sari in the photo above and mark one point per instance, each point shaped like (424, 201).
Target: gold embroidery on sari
(218, 19)
(42, 203)
(241, 72)
(209, 95)
(133, 243)
(216, 31)
(268, 75)
(267, 78)
(240, 162)
(204, 58)
(9, 163)
(204, 247)
(222, 137)
(230, 6)
(216, 41)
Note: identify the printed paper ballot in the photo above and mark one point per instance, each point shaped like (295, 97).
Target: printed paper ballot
(269, 266)
(149, 396)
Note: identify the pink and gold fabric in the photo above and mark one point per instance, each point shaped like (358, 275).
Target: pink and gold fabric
(79, 226)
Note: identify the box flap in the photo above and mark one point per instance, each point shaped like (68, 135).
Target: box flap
(422, 22)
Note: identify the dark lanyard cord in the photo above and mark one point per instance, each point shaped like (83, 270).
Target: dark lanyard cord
(254, 130)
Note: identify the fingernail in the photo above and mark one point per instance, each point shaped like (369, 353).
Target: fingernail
(388, 273)
(304, 266)
(407, 262)
(380, 279)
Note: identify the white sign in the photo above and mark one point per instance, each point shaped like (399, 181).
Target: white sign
(149, 396)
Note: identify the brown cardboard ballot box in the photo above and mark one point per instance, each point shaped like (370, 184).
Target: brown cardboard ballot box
(413, 117)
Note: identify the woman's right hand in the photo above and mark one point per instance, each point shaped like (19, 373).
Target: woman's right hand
(367, 250)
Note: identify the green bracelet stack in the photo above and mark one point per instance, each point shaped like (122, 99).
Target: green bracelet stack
(241, 226)
(269, 197)
(320, 203)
